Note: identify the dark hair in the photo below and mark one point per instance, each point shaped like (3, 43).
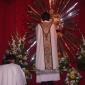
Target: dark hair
(45, 16)
(8, 57)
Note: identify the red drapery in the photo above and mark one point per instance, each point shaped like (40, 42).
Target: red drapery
(7, 23)
(13, 18)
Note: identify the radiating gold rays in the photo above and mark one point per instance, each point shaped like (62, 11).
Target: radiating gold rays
(67, 9)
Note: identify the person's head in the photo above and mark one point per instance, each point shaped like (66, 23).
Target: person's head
(45, 16)
(9, 58)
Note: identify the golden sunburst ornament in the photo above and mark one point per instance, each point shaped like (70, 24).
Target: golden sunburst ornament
(63, 13)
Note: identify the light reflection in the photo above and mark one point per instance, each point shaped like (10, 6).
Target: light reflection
(70, 15)
(33, 58)
(71, 8)
(61, 19)
(31, 46)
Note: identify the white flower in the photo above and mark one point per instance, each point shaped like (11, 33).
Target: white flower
(19, 56)
(72, 82)
(20, 61)
(80, 57)
(25, 58)
(62, 59)
(14, 52)
(25, 63)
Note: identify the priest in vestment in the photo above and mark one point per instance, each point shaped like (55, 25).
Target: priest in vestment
(47, 66)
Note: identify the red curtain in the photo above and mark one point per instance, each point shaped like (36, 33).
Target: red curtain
(13, 17)
(7, 23)
(82, 16)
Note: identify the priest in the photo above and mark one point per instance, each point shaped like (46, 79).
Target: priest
(47, 66)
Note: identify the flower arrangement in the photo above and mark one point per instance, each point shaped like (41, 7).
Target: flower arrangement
(73, 77)
(64, 64)
(17, 48)
(81, 56)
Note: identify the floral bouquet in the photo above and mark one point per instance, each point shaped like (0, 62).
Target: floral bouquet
(73, 77)
(64, 64)
(17, 48)
(81, 56)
